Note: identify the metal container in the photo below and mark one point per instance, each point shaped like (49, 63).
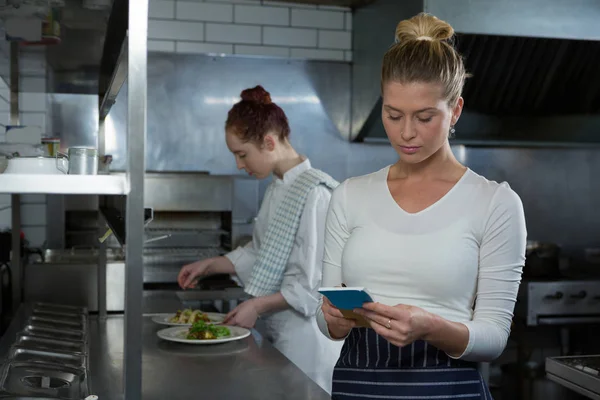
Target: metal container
(81, 161)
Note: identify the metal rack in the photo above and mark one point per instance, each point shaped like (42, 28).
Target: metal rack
(132, 64)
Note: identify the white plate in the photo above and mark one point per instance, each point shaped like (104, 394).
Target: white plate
(165, 319)
(178, 334)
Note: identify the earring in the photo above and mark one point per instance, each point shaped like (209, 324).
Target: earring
(452, 130)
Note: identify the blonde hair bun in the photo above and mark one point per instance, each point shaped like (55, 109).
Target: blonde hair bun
(424, 52)
(423, 26)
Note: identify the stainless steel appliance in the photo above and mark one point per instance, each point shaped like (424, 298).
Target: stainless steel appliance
(558, 302)
(192, 221)
(195, 216)
(548, 307)
(578, 373)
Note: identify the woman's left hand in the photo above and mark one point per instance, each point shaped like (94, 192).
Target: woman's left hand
(244, 315)
(400, 325)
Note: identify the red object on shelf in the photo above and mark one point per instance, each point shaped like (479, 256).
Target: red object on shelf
(50, 31)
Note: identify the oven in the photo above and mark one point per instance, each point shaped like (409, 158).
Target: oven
(193, 216)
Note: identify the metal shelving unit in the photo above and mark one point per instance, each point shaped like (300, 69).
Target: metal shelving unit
(63, 184)
(132, 65)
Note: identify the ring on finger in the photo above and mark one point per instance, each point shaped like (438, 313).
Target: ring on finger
(389, 324)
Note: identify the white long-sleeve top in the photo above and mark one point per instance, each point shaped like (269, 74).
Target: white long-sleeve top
(294, 331)
(460, 258)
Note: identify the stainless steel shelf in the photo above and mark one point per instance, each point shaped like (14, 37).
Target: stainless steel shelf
(63, 184)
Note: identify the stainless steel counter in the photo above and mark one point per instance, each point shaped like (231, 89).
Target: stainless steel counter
(247, 369)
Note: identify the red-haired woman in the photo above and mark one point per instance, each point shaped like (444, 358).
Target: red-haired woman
(281, 266)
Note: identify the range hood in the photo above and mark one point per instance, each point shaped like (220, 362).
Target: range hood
(535, 67)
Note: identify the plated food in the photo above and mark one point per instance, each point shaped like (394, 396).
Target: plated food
(187, 317)
(203, 333)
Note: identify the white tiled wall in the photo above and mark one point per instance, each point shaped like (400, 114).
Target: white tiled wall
(32, 91)
(251, 27)
(32, 111)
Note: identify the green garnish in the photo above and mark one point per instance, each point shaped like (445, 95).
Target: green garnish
(201, 331)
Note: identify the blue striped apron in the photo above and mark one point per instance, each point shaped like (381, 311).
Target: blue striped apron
(370, 367)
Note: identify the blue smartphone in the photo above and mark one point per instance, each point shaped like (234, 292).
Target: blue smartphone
(346, 298)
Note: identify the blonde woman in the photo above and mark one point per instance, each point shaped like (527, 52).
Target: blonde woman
(440, 247)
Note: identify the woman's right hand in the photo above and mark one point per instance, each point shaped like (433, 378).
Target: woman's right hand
(189, 274)
(339, 327)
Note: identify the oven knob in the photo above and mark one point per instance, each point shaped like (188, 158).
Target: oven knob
(555, 296)
(580, 295)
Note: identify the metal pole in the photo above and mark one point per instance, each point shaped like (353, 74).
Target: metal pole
(102, 248)
(15, 264)
(134, 224)
(101, 138)
(102, 277)
(14, 83)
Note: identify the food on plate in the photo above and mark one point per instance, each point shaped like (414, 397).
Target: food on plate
(189, 316)
(203, 331)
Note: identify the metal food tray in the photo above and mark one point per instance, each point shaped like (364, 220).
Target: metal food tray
(20, 354)
(35, 380)
(59, 307)
(43, 343)
(58, 324)
(66, 334)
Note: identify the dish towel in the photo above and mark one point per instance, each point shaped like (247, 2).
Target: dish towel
(267, 272)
